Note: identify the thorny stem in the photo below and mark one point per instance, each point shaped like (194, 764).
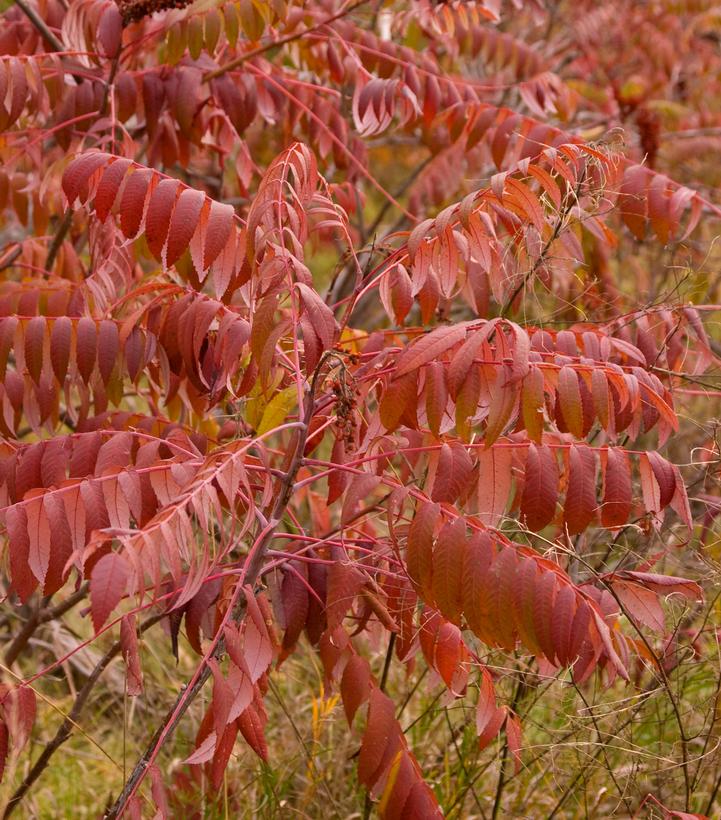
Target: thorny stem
(251, 573)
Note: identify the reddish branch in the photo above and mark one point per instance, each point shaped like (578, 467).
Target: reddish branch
(249, 577)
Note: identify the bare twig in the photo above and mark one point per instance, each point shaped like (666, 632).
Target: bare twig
(42, 615)
(67, 726)
(11, 257)
(521, 689)
(557, 228)
(58, 239)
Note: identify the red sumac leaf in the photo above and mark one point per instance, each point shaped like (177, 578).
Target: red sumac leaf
(108, 584)
(108, 348)
(398, 402)
(110, 30)
(216, 228)
(428, 347)
(544, 598)
(39, 538)
(223, 750)
(580, 507)
(448, 568)
(60, 342)
(486, 707)
(641, 604)
(355, 687)
(321, 316)
(20, 709)
(650, 488)
(664, 476)
(514, 737)
(257, 644)
(132, 202)
(563, 615)
(569, 397)
(532, 403)
(183, 223)
(251, 724)
(492, 728)
(616, 472)
(23, 578)
(540, 487)
(503, 394)
(444, 650)
(204, 752)
(34, 345)
(344, 584)
(494, 483)
(450, 472)
(108, 187)
(419, 551)
(86, 347)
(436, 396)
(157, 220)
(77, 174)
(157, 790)
(663, 584)
(477, 582)
(379, 734)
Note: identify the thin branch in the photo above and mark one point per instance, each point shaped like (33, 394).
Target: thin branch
(42, 615)
(253, 567)
(40, 25)
(58, 239)
(461, 760)
(557, 228)
(289, 38)
(71, 721)
(368, 803)
(521, 689)
(10, 258)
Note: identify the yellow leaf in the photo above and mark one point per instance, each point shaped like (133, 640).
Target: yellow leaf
(390, 783)
(277, 409)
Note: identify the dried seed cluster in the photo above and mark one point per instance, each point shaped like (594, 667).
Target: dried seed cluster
(345, 408)
(134, 10)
